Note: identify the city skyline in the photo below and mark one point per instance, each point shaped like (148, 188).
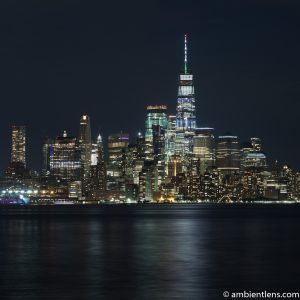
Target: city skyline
(149, 149)
(185, 125)
(171, 160)
(235, 67)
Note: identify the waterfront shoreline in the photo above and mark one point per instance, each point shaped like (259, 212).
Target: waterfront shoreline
(245, 202)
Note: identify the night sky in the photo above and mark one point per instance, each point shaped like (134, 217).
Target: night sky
(109, 59)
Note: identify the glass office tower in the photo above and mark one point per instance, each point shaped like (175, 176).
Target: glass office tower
(203, 148)
(185, 110)
(228, 157)
(65, 158)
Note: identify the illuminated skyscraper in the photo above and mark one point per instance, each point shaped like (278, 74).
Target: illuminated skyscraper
(65, 158)
(156, 115)
(135, 156)
(185, 111)
(228, 155)
(85, 144)
(18, 151)
(174, 166)
(17, 167)
(117, 143)
(96, 183)
(156, 124)
(203, 148)
(97, 153)
(170, 137)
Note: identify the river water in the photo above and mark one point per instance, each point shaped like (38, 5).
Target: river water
(147, 251)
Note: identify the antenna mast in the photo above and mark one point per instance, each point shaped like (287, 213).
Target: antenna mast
(185, 54)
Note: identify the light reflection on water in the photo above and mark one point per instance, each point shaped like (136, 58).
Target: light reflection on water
(147, 252)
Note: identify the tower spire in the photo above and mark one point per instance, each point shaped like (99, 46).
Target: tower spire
(185, 54)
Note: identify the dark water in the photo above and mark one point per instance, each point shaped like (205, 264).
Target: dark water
(147, 251)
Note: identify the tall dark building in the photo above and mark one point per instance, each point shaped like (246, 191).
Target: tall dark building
(18, 149)
(47, 149)
(17, 167)
(117, 143)
(159, 151)
(170, 137)
(148, 181)
(228, 156)
(135, 156)
(85, 144)
(203, 148)
(96, 182)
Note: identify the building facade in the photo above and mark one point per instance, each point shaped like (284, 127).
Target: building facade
(203, 148)
(228, 156)
(117, 145)
(18, 149)
(65, 158)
